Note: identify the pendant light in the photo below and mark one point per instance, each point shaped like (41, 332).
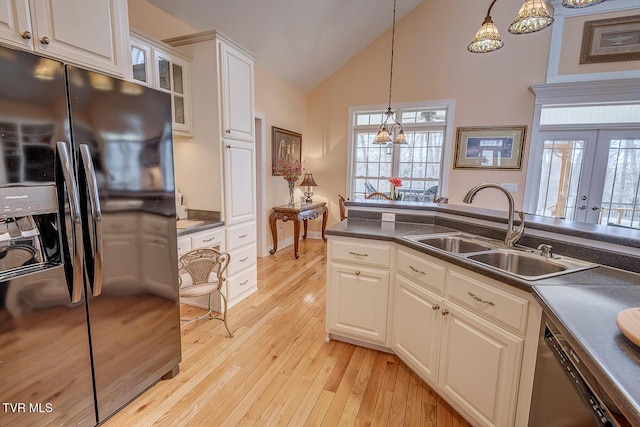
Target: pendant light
(533, 16)
(384, 133)
(487, 38)
(573, 4)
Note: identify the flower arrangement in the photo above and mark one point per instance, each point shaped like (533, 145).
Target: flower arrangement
(290, 171)
(395, 183)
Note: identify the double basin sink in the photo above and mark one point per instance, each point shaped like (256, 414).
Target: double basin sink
(525, 263)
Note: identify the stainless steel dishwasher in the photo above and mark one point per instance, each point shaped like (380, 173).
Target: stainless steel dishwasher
(565, 394)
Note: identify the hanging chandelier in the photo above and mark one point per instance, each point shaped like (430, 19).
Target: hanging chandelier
(390, 125)
(533, 16)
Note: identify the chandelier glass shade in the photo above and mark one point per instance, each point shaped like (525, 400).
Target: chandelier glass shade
(487, 38)
(533, 16)
(390, 125)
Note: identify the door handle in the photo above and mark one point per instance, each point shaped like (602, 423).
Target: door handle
(595, 208)
(583, 207)
(96, 214)
(76, 221)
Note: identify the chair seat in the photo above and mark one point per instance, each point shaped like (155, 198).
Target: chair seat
(198, 290)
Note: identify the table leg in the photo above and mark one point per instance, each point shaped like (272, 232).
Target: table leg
(324, 222)
(273, 218)
(296, 237)
(304, 235)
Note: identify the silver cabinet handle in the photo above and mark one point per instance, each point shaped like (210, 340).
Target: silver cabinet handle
(242, 236)
(477, 298)
(415, 270)
(96, 214)
(244, 259)
(244, 283)
(228, 131)
(445, 312)
(435, 307)
(76, 220)
(26, 35)
(357, 254)
(45, 40)
(209, 240)
(583, 207)
(595, 208)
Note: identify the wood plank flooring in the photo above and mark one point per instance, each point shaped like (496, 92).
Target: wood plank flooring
(278, 370)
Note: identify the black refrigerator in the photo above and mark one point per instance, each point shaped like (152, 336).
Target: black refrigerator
(89, 314)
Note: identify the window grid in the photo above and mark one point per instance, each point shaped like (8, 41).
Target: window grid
(620, 204)
(418, 163)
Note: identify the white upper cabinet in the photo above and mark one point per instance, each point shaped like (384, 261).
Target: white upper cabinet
(159, 66)
(237, 94)
(90, 33)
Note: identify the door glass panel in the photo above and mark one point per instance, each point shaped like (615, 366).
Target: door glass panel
(178, 105)
(139, 61)
(561, 167)
(163, 73)
(177, 79)
(620, 202)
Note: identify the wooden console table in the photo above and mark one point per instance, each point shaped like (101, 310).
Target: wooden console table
(296, 213)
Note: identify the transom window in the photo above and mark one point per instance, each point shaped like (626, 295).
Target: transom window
(419, 163)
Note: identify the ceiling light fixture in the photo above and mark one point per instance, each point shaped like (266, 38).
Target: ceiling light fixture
(487, 38)
(533, 16)
(384, 133)
(573, 4)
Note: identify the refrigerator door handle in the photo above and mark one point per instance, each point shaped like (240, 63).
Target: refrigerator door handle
(96, 214)
(76, 221)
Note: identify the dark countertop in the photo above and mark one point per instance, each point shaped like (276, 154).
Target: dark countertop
(206, 225)
(584, 304)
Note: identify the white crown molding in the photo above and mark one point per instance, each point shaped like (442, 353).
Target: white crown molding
(616, 90)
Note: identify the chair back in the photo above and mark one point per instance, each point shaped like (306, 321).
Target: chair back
(343, 208)
(202, 263)
(378, 196)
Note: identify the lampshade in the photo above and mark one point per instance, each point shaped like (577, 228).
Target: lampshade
(308, 181)
(533, 16)
(384, 132)
(580, 3)
(487, 38)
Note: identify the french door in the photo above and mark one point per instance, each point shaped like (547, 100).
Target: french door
(591, 176)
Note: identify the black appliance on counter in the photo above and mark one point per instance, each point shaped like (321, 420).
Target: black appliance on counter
(89, 314)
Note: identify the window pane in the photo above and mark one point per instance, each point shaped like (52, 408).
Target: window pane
(177, 79)
(620, 204)
(424, 116)
(561, 166)
(139, 62)
(163, 72)
(585, 114)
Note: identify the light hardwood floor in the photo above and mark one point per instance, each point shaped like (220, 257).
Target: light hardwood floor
(278, 370)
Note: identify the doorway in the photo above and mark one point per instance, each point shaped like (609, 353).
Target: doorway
(261, 183)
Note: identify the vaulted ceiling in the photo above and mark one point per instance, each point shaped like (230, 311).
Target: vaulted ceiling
(302, 42)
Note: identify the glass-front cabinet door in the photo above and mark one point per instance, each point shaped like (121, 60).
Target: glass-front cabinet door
(141, 63)
(171, 76)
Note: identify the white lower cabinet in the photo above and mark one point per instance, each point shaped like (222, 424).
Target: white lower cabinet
(359, 302)
(471, 338)
(479, 367)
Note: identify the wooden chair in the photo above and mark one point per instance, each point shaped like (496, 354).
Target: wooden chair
(378, 196)
(343, 208)
(205, 268)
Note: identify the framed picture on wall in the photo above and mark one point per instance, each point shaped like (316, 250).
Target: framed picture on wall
(611, 40)
(286, 146)
(493, 147)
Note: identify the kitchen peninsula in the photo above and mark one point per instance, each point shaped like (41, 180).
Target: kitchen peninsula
(465, 300)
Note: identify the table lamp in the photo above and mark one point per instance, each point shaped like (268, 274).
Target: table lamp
(308, 182)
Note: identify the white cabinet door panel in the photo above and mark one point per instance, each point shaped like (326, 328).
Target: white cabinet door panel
(237, 94)
(15, 23)
(239, 171)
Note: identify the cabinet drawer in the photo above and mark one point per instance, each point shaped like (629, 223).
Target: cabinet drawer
(242, 259)
(184, 245)
(241, 283)
(483, 298)
(241, 235)
(421, 271)
(208, 239)
(360, 252)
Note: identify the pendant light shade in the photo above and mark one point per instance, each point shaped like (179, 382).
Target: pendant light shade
(533, 16)
(384, 133)
(580, 3)
(487, 38)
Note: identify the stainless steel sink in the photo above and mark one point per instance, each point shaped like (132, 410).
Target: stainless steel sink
(528, 265)
(457, 243)
(521, 262)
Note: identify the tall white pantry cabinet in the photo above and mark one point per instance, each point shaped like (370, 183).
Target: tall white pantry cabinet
(222, 78)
